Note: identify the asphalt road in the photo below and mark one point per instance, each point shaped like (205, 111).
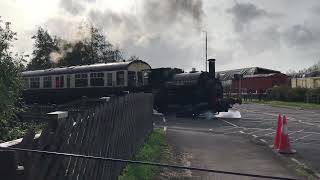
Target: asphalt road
(304, 129)
(217, 144)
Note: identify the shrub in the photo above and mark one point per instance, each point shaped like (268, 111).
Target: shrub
(285, 93)
(313, 96)
(297, 94)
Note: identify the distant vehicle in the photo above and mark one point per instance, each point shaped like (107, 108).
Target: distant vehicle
(192, 92)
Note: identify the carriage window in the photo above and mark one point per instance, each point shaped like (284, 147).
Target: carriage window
(97, 79)
(25, 83)
(120, 78)
(68, 80)
(35, 82)
(145, 78)
(60, 82)
(131, 78)
(47, 82)
(109, 79)
(139, 78)
(81, 80)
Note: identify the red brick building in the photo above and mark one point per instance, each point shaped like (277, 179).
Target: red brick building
(258, 83)
(254, 79)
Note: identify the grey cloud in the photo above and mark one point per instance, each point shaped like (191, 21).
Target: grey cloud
(299, 35)
(170, 11)
(316, 10)
(259, 41)
(244, 13)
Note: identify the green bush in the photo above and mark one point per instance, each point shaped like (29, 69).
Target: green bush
(285, 93)
(297, 94)
(313, 96)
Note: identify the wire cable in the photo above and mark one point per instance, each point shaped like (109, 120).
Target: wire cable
(144, 163)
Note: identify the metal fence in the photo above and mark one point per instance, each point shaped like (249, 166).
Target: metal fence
(112, 129)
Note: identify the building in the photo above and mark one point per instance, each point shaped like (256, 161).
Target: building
(254, 79)
(309, 80)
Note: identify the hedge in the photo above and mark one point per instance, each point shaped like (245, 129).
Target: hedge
(285, 93)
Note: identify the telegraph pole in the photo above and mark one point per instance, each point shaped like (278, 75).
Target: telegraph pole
(206, 48)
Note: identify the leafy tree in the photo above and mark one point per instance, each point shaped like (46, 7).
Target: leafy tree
(74, 54)
(10, 68)
(98, 48)
(90, 50)
(44, 45)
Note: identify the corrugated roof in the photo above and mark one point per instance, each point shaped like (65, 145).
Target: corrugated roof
(229, 74)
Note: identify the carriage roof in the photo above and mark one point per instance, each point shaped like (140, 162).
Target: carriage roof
(84, 68)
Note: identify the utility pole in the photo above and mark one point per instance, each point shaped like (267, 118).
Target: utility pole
(206, 49)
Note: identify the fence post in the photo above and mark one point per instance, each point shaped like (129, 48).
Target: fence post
(8, 165)
(56, 118)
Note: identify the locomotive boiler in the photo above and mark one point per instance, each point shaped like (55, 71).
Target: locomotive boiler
(192, 92)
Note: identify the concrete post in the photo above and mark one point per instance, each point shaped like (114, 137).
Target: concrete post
(56, 118)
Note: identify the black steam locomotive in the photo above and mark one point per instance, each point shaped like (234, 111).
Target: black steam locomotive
(192, 92)
(172, 88)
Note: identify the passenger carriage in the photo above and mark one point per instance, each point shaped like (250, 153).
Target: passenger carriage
(59, 85)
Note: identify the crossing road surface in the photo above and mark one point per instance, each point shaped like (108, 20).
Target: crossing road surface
(216, 144)
(260, 121)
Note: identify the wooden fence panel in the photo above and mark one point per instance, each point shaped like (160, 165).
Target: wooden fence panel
(111, 129)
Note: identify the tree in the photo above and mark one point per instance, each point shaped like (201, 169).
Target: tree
(43, 46)
(10, 68)
(133, 58)
(90, 50)
(74, 54)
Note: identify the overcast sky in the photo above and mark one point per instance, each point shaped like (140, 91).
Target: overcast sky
(277, 34)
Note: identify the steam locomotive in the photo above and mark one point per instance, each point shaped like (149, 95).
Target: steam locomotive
(194, 91)
(172, 88)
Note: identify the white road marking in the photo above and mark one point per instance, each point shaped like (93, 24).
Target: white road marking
(230, 123)
(231, 128)
(263, 140)
(260, 131)
(293, 132)
(302, 137)
(298, 162)
(255, 136)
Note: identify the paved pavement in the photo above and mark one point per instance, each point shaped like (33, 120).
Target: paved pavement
(218, 144)
(303, 125)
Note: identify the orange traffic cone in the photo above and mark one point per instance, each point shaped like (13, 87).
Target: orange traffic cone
(284, 146)
(278, 133)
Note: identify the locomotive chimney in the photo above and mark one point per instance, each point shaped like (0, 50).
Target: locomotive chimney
(212, 67)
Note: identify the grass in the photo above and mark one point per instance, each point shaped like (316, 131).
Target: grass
(153, 151)
(287, 104)
(304, 173)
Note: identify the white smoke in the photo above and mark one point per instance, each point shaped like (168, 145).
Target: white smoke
(155, 30)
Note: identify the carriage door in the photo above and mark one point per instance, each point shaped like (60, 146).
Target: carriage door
(59, 82)
(131, 78)
(140, 78)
